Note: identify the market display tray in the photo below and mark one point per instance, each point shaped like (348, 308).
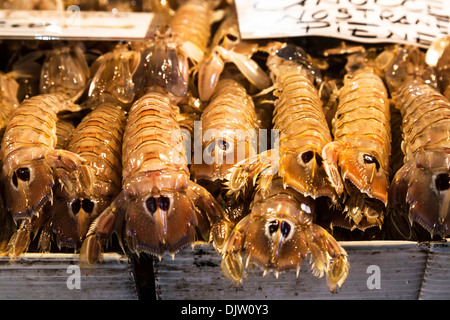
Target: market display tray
(378, 270)
(57, 276)
(394, 270)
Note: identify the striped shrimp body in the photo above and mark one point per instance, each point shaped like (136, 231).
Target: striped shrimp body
(98, 140)
(159, 209)
(279, 234)
(191, 24)
(64, 129)
(420, 188)
(30, 161)
(357, 161)
(228, 131)
(303, 131)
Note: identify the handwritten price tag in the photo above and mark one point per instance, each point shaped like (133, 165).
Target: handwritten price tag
(74, 24)
(416, 22)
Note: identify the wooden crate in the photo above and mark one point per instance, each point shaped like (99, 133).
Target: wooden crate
(403, 267)
(406, 270)
(436, 282)
(36, 276)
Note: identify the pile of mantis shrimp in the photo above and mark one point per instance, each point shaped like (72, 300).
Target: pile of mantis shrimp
(262, 148)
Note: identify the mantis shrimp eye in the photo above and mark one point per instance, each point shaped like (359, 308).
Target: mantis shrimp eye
(370, 159)
(309, 155)
(76, 206)
(285, 229)
(442, 181)
(151, 204)
(273, 226)
(14, 180)
(164, 203)
(230, 37)
(87, 205)
(23, 174)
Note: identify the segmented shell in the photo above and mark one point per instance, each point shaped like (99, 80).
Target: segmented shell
(153, 139)
(298, 115)
(358, 160)
(64, 129)
(363, 119)
(228, 128)
(33, 124)
(420, 190)
(98, 140)
(192, 22)
(426, 118)
(303, 132)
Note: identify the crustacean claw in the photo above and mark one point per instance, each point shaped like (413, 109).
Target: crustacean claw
(430, 206)
(91, 252)
(29, 228)
(228, 47)
(436, 51)
(330, 156)
(19, 242)
(245, 174)
(212, 67)
(104, 226)
(113, 75)
(216, 228)
(359, 167)
(329, 257)
(209, 74)
(278, 238)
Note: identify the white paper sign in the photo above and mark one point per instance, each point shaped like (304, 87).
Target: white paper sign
(416, 22)
(74, 24)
